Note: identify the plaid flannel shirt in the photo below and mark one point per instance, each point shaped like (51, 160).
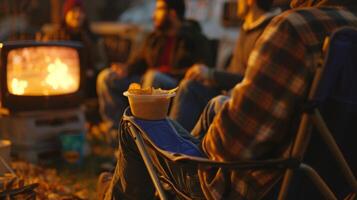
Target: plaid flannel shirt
(255, 121)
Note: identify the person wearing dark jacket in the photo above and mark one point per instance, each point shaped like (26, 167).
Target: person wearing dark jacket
(174, 46)
(202, 83)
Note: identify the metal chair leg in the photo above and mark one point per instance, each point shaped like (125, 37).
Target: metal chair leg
(148, 162)
(285, 185)
(335, 150)
(298, 151)
(318, 181)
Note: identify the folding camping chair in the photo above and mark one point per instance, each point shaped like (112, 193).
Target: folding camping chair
(336, 80)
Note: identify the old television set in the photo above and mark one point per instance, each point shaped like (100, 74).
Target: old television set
(41, 75)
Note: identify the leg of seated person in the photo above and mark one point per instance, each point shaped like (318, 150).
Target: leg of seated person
(190, 101)
(206, 118)
(156, 79)
(184, 133)
(131, 179)
(110, 88)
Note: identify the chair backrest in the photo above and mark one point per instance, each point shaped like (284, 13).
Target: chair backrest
(339, 80)
(336, 98)
(337, 90)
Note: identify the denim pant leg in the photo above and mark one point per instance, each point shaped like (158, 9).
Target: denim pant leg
(184, 133)
(156, 79)
(206, 118)
(110, 88)
(131, 179)
(190, 101)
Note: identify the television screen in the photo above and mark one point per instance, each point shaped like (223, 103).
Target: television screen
(43, 71)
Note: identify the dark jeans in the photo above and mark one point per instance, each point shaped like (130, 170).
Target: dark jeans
(112, 102)
(190, 101)
(206, 118)
(131, 179)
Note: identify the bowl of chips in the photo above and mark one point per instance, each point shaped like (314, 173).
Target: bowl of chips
(149, 103)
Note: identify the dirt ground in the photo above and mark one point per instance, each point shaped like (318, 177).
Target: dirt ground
(99, 159)
(57, 178)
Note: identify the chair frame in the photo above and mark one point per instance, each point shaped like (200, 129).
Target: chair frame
(143, 143)
(303, 137)
(309, 117)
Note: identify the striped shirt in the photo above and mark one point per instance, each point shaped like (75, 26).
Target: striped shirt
(255, 123)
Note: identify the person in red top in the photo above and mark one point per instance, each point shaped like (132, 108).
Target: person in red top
(174, 46)
(164, 60)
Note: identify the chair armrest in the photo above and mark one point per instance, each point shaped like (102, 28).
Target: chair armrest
(280, 163)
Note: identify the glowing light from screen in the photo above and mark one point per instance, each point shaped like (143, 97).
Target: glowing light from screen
(18, 86)
(58, 75)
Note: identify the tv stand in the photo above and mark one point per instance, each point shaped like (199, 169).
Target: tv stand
(33, 133)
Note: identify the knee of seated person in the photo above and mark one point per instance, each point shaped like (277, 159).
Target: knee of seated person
(148, 80)
(103, 76)
(153, 74)
(218, 101)
(189, 85)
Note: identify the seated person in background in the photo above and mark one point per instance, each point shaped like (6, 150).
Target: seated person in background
(202, 83)
(255, 122)
(75, 27)
(167, 52)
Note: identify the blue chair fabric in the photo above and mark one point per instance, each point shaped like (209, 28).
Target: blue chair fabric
(339, 80)
(164, 135)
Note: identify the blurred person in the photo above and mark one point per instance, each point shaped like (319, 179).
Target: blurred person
(167, 52)
(255, 122)
(202, 83)
(75, 26)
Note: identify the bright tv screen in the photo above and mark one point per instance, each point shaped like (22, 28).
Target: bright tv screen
(43, 71)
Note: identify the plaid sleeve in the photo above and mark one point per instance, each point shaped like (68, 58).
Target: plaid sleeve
(253, 121)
